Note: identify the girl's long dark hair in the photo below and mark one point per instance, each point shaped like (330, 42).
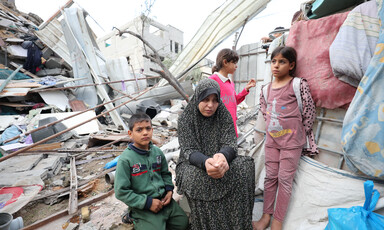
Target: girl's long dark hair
(287, 52)
(225, 54)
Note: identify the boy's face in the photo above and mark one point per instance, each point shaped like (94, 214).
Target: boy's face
(141, 134)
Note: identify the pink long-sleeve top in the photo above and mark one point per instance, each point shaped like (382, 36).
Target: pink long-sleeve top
(228, 95)
(308, 115)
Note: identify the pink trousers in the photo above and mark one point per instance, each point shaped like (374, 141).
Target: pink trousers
(280, 168)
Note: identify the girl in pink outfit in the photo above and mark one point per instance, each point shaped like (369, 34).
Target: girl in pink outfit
(288, 129)
(226, 63)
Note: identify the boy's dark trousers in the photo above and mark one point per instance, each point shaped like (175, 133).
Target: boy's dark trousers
(171, 217)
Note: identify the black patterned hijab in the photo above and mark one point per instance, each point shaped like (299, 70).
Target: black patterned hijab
(206, 135)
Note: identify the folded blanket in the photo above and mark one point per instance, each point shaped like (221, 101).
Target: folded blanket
(353, 47)
(363, 127)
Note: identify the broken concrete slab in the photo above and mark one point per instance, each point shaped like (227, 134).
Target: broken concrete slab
(56, 62)
(47, 53)
(70, 144)
(171, 146)
(178, 108)
(14, 179)
(172, 155)
(17, 51)
(49, 163)
(161, 117)
(14, 40)
(20, 163)
(87, 128)
(7, 23)
(52, 72)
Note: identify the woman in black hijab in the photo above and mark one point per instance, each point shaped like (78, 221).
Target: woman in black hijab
(218, 184)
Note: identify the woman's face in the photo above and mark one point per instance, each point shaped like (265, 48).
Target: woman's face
(208, 105)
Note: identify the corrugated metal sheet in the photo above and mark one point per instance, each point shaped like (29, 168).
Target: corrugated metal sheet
(251, 65)
(52, 35)
(220, 24)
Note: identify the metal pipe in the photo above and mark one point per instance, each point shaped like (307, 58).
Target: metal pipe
(319, 124)
(113, 142)
(86, 85)
(329, 119)
(53, 151)
(5, 83)
(110, 177)
(55, 15)
(242, 138)
(330, 150)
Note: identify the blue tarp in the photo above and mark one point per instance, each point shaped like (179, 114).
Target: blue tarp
(5, 73)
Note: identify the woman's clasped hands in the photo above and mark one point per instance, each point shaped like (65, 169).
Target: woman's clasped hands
(216, 166)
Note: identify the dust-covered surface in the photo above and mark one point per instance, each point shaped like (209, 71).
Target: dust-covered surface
(106, 213)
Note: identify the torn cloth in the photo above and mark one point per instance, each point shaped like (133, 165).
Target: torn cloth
(33, 61)
(312, 40)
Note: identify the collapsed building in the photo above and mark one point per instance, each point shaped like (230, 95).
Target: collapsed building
(66, 97)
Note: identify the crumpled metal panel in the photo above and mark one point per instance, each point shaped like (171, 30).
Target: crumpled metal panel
(218, 26)
(52, 35)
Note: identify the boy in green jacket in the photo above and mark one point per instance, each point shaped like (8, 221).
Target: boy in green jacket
(144, 183)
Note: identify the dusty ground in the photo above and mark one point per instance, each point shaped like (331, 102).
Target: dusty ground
(38, 210)
(105, 214)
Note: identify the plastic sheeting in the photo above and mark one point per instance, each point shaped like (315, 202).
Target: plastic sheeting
(363, 127)
(118, 69)
(80, 35)
(316, 188)
(220, 24)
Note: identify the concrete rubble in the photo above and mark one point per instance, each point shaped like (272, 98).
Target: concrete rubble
(45, 127)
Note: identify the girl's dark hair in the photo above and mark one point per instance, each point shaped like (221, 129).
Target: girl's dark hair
(287, 52)
(225, 54)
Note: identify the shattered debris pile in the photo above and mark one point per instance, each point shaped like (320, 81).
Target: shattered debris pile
(59, 127)
(64, 111)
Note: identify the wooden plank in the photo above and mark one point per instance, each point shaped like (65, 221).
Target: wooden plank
(72, 207)
(93, 159)
(6, 82)
(57, 14)
(64, 190)
(22, 85)
(26, 72)
(57, 83)
(62, 213)
(14, 92)
(46, 147)
(17, 105)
